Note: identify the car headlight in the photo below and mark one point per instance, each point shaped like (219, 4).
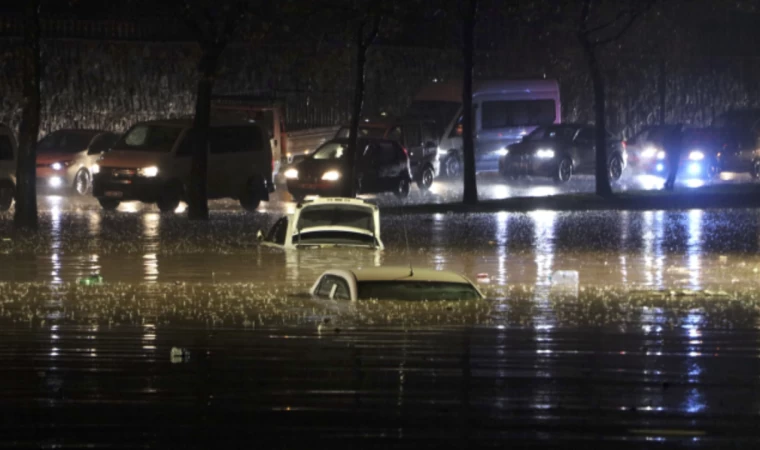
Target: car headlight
(332, 175)
(95, 168)
(545, 153)
(502, 151)
(148, 172)
(291, 174)
(661, 155)
(649, 152)
(696, 155)
(59, 165)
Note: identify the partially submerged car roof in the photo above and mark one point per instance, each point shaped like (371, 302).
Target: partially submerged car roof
(407, 274)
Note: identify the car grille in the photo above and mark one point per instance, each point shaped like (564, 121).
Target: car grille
(120, 173)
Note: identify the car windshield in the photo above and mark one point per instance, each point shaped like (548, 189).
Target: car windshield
(66, 141)
(416, 290)
(145, 137)
(372, 132)
(333, 238)
(551, 133)
(331, 150)
(336, 215)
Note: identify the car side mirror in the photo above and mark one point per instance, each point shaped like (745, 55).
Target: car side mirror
(259, 236)
(430, 144)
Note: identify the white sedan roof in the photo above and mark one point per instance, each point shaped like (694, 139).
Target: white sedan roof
(405, 273)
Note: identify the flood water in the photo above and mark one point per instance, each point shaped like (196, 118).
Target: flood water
(660, 347)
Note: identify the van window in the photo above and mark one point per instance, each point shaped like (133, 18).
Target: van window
(6, 148)
(517, 113)
(235, 139)
(149, 137)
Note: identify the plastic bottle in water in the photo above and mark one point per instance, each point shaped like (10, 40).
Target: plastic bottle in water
(565, 282)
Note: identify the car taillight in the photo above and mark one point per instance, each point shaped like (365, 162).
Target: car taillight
(625, 145)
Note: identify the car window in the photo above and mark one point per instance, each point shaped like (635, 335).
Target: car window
(342, 291)
(585, 135)
(102, 143)
(412, 135)
(149, 137)
(336, 215)
(279, 231)
(330, 150)
(235, 139)
(457, 130)
(429, 133)
(384, 153)
(416, 290)
(395, 134)
(6, 148)
(517, 113)
(68, 141)
(560, 132)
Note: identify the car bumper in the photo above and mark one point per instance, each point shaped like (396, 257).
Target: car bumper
(320, 188)
(135, 188)
(528, 165)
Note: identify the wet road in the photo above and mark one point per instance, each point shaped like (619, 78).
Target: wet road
(660, 347)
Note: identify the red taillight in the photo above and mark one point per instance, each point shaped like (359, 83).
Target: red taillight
(625, 145)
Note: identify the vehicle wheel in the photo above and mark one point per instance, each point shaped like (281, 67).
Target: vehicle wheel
(109, 204)
(250, 200)
(426, 179)
(564, 171)
(402, 189)
(452, 166)
(82, 182)
(756, 169)
(6, 196)
(169, 199)
(615, 168)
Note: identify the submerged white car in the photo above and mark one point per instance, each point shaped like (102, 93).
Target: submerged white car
(394, 283)
(327, 222)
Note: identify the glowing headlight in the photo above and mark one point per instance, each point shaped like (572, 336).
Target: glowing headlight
(95, 168)
(661, 155)
(649, 152)
(56, 166)
(545, 153)
(291, 174)
(502, 152)
(332, 175)
(149, 172)
(696, 155)
(55, 182)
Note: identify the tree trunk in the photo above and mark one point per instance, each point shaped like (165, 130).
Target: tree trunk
(470, 196)
(352, 157)
(603, 188)
(25, 215)
(197, 191)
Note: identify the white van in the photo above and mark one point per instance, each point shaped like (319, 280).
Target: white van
(8, 154)
(151, 163)
(504, 112)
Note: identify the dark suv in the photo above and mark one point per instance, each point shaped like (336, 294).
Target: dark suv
(418, 136)
(382, 165)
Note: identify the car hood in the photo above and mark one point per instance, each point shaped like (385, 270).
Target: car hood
(121, 158)
(54, 157)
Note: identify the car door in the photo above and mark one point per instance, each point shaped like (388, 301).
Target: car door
(414, 144)
(584, 150)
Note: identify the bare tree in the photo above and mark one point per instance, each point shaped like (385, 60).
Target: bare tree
(592, 37)
(25, 215)
(214, 22)
(366, 32)
(468, 11)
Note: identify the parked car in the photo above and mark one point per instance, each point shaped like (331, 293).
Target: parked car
(381, 166)
(741, 130)
(151, 163)
(420, 138)
(65, 159)
(8, 154)
(327, 222)
(394, 283)
(559, 151)
(504, 112)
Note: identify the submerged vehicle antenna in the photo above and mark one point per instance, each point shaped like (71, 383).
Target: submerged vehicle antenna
(406, 238)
